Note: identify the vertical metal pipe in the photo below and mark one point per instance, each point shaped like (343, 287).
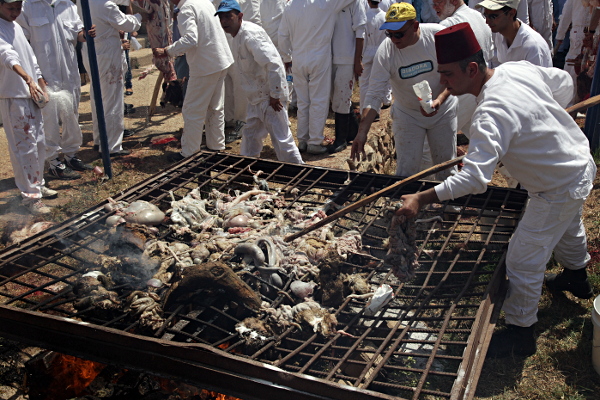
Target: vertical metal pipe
(95, 76)
(591, 120)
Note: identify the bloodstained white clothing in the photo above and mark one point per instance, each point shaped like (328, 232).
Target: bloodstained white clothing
(262, 77)
(528, 45)
(349, 26)
(110, 57)
(52, 32)
(305, 34)
(520, 120)
(404, 68)
(541, 18)
(22, 119)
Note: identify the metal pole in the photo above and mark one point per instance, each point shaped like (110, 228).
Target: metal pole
(95, 76)
(591, 119)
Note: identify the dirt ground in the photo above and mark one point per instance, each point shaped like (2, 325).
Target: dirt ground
(506, 380)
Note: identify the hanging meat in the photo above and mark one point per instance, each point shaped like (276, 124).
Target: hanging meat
(158, 27)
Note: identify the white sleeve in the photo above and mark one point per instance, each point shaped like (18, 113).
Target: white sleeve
(565, 20)
(560, 83)
(186, 21)
(285, 41)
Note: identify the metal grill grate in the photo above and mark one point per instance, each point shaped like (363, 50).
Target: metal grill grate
(426, 343)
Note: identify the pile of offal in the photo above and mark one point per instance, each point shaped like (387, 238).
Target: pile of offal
(232, 244)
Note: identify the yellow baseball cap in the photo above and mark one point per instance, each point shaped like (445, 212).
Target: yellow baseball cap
(397, 15)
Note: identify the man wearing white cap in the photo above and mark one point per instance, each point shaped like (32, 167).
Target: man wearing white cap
(551, 159)
(407, 58)
(262, 77)
(514, 39)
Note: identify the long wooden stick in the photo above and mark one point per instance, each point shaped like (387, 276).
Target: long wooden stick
(584, 105)
(362, 202)
(152, 108)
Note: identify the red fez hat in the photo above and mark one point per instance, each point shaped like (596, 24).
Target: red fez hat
(455, 43)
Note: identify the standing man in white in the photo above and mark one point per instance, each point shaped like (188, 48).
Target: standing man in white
(109, 20)
(263, 81)
(53, 30)
(208, 55)
(305, 36)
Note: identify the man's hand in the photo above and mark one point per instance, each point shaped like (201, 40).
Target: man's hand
(159, 52)
(435, 104)
(92, 31)
(358, 69)
(125, 44)
(275, 104)
(358, 147)
(412, 203)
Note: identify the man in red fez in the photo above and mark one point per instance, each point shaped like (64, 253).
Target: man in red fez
(521, 120)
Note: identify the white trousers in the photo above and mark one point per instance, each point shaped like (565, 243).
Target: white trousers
(24, 129)
(312, 84)
(576, 37)
(552, 221)
(363, 82)
(410, 134)
(203, 106)
(236, 102)
(343, 83)
(63, 109)
(110, 69)
(262, 119)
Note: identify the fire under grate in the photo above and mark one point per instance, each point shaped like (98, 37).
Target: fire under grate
(427, 342)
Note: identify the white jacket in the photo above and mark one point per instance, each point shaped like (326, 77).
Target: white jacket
(520, 120)
(15, 50)
(528, 45)
(202, 39)
(52, 33)
(480, 28)
(260, 66)
(306, 30)
(349, 26)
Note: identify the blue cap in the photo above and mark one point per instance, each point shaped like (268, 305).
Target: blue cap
(228, 5)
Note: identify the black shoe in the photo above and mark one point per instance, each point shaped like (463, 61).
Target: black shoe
(175, 157)
(386, 106)
(76, 164)
(120, 153)
(127, 105)
(513, 340)
(96, 147)
(573, 281)
(61, 171)
(341, 133)
(128, 133)
(377, 118)
(129, 111)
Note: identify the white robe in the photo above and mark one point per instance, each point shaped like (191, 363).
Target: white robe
(541, 18)
(110, 57)
(52, 33)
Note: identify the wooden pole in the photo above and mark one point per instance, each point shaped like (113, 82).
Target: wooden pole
(155, 95)
(362, 202)
(584, 105)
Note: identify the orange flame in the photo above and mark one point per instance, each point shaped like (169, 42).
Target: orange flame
(73, 374)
